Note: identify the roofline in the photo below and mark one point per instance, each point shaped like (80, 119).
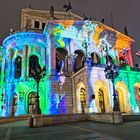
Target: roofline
(81, 18)
(113, 30)
(55, 12)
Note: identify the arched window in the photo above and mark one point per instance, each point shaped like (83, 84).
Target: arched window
(95, 58)
(61, 60)
(33, 64)
(109, 59)
(18, 64)
(79, 60)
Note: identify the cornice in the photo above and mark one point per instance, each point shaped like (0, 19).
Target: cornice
(17, 37)
(45, 14)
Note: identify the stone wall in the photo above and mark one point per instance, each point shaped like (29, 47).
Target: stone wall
(13, 119)
(113, 117)
(49, 120)
(44, 120)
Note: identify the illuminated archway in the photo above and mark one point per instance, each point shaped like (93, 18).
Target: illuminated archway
(137, 93)
(81, 97)
(31, 102)
(101, 100)
(101, 96)
(123, 97)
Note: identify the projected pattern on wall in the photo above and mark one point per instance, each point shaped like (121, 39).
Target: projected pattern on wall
(65, 48)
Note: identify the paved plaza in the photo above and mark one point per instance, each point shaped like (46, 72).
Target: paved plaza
(71, 131)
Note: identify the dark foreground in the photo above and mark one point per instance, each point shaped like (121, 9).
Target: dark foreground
(71, 131)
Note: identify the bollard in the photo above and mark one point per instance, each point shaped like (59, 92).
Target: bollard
(30, 121)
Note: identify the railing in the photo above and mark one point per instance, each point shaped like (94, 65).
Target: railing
(135, 69)
(28, 30)
(131, 68)
(97, 65)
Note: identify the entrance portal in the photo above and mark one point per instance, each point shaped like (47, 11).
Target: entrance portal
(101, 100)
(123, 97)
(137, 95)
(81, 98)
(120, 99)
(31, 103)
(102, 96)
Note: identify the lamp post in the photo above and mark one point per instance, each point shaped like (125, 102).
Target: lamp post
(111, 72)
(138, 54)
(38, 73)
(85, 45)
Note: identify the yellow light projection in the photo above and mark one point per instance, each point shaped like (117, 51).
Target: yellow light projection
(123, 97)
(98, 30)
(81, 97)
(101, 96)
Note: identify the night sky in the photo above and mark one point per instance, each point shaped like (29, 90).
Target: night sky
(124, 12)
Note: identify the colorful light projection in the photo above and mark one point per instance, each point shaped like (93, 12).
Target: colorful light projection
(98, 38)
(23, 44)
(93, 33)
(127, 80)
(68, 35)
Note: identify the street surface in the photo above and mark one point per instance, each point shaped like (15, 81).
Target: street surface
(71, 131)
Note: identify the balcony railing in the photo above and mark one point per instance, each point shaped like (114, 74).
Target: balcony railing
(130, 68)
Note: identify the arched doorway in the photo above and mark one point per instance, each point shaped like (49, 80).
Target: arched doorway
(137, 94)
(101, 96)
(120, 99)
(31, 103)
(101, 100)
(81, 98)
(123, 97)
(14, 104)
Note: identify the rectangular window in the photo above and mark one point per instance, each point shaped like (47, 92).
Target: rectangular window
(43, 25)
(28, 23)
(37, 24)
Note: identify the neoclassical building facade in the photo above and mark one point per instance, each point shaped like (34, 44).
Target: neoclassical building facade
(72, 54)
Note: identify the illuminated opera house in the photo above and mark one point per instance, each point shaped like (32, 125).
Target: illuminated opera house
(67, 65)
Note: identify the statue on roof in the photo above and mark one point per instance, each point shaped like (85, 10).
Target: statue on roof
(125, 30)
(68, 7)
(52, 11)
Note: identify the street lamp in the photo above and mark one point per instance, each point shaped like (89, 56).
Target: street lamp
(85, 45)
(138, 54)
(111, 72)
(38, 73)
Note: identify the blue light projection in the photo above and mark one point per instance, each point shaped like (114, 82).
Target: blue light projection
(54, 91)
